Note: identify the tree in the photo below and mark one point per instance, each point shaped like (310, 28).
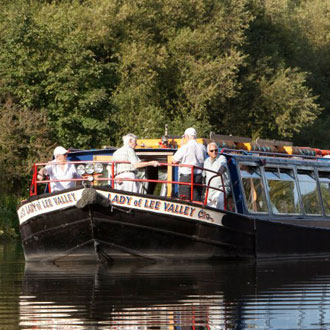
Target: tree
(292, 35)
(179, 63)
(46, 65)
(24, 138)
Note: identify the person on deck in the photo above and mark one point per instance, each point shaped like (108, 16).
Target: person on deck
(215, 163)
(59, 169)
(128, 170)
(191, 153)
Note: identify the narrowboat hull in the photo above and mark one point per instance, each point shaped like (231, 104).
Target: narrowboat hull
(104, 224)
(130, 226)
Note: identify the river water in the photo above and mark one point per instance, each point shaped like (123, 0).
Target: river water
(139, 295)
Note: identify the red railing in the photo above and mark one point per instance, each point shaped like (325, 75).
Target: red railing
(111, 178)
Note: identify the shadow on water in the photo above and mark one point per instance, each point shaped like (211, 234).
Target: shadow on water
(226, 295)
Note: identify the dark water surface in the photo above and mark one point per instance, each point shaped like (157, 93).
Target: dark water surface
(226, 295)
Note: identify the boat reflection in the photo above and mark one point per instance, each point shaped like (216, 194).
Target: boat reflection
(227, 295)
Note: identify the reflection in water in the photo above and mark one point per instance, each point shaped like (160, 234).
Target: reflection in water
(227, 295)
(11, 273)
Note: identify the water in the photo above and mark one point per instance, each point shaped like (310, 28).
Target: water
(226, 295)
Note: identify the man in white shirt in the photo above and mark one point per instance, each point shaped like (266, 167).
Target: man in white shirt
(128, 170)
(59, 170)
(215, 163)
(191, 153)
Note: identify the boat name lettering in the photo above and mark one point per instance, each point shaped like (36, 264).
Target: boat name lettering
(150, 204)
(162, 206)
(179, 209)
(46, 203)
(30, 208)
(64, 199)
(205, 216)
(121, 199)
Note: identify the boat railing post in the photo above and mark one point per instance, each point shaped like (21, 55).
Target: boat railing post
(113, 174)
(224, 193)
(192, 184)
(207, 187)
(169, 184)
(33, 187)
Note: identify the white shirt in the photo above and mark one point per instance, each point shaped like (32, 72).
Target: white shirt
(214, 165)
(191, 153)
(56, 172)
(215, 198)
(125, 154)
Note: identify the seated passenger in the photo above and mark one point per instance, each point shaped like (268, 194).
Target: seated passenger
(214, 163)
(59, 169)
(129, 170)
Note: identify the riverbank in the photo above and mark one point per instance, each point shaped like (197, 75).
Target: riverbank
(8, 218)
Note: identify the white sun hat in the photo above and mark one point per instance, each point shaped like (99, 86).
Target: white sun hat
(60, 151)
(190, 131)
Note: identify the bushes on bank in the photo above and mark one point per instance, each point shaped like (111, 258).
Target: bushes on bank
(8, 217)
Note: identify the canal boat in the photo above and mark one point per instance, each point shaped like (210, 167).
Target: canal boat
(276, 205)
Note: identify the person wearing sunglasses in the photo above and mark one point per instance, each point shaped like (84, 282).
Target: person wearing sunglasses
(214, 163)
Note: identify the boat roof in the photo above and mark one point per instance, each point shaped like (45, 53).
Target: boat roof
(240, 148)
(272, 159)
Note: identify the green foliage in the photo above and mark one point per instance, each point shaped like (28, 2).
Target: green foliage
(292, 35)
(45, 64)
(181, 60)
(281, 104)
(98, 69)
(8, 218)
(24, 139)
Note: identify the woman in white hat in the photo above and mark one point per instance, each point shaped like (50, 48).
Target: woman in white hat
(60, 172)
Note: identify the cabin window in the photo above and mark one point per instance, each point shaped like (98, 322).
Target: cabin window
(309, 192)
(282, 190)
(324, 178)
(253, 188)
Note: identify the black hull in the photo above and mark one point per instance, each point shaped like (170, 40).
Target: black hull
(96, 233)
(99, 232)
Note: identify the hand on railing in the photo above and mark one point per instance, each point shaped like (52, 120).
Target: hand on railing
(154, 163)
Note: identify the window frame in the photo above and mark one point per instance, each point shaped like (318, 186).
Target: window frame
(317, 170)
(260, 167)
(314, 170)
(289, 167)
(263, 163)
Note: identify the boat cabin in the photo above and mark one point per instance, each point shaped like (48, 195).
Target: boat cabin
(280, 186)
